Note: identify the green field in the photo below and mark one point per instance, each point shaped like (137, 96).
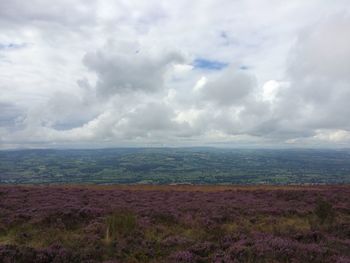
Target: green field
(175, 165)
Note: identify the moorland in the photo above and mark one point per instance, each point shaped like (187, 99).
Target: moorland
(181, 223)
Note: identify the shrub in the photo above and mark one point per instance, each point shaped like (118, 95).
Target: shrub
(182, 256)
(324, 212)
(165, 218)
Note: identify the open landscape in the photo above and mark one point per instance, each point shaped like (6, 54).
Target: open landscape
(146, 223)
(174, 131)
(176, 165)
(175, 205)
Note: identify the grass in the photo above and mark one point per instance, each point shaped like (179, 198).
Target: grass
(324, 212)
(40, 237)
(120, 224)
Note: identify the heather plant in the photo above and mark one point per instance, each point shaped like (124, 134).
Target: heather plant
(164, 218)
(182, 256)
(175, 241)
(246, 225)
(203, 249)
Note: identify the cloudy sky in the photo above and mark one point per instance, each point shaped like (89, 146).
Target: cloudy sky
(234, 73)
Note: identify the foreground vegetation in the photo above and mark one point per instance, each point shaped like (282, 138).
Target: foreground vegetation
(174, 224)
(175, 165)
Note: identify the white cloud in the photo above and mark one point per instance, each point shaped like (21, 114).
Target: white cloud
(270, 90)
(123, 73)
(231, 87)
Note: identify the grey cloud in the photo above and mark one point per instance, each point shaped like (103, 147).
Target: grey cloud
(231, 87)
(62, 12)
(147, 119)
(280, 130)
(127, 67)
(10, 115)
(63, 111)
(153, 120)
(67, 111)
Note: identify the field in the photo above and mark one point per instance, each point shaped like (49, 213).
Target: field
(175, 165)
(148, 223)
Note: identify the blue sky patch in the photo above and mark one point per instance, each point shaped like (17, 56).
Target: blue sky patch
(11, 46)
(202, 63)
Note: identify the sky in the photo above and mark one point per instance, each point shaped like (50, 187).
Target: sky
(228, 73)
